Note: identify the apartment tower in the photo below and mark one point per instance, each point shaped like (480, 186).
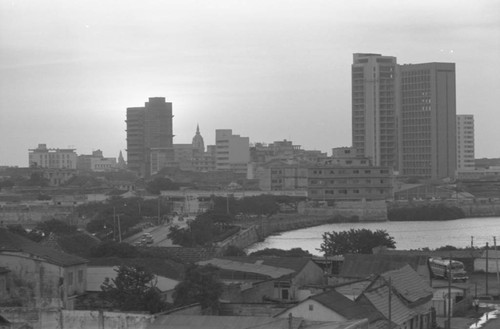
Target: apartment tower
(465, 142)
(404, 116)
(374, 99)
(427, 120)
(149, 137)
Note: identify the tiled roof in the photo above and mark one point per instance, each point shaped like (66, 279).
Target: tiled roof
(163, 267)
(16, 243)
(345, 307)
(222, 322)
(379, 299)
(409, 284)
(257, 267)
(353, 289)
(363, 266)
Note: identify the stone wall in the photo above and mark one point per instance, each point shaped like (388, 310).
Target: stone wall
(63, 319)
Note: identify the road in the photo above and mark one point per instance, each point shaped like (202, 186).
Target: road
(159, 234)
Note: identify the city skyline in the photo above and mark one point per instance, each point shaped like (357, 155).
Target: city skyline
(267, 70)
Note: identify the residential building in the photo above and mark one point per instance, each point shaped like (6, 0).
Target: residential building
(167, 274)
(276, 278)
(427, 120)
(232, 151)
(465, 142)
(50, 277)
(333, 182)
(332, 306)
(374, 105)
(43, 157)
(402, 296)
(150, 137)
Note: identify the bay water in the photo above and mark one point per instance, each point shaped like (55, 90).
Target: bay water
(407, 235)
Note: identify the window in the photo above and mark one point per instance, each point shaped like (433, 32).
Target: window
(80, 276)
(70, 278)
(311, 307)
(284, 294)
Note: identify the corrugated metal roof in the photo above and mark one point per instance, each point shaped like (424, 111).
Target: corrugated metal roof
(409, 284)
(379, 298)
(16, 243)
(257, 267)
(222, 322)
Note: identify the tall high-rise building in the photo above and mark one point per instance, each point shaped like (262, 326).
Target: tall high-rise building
(403, 116)
(465, 142)
(427, 120)
(374, 99)
(149, 137)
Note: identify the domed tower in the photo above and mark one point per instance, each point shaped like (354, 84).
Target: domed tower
(198, 143)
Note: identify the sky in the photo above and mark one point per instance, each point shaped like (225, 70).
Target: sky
(269, 70)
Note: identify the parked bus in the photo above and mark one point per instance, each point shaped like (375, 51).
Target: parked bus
(441, 268)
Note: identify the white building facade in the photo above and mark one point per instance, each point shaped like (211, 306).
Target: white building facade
(232, 151)
(44, 157)
(465, 142)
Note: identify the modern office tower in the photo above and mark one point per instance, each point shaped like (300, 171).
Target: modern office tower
(43, 157)
(374, 100)
(427, 120)
(465, 142)
(149, 137)
(232, 151)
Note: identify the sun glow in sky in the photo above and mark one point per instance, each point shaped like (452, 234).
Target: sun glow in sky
(269, 70)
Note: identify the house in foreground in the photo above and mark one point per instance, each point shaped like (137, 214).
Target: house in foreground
(254, 279)
(41, 276)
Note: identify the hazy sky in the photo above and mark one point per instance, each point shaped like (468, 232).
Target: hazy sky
(270, 70)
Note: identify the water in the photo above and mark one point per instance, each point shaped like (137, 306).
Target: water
(408, 235)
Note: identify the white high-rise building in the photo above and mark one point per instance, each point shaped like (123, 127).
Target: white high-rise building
(232, 151)
(465, 142)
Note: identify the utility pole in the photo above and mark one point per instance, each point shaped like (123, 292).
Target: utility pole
(472, 242)
(158, 210)
(496, 259)
(114, 223)
(448, 325)
(487, 269)
(119, 229)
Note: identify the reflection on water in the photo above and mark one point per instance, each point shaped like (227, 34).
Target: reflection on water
(485, 318)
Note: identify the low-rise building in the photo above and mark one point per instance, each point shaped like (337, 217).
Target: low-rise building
(43, 157)
(276, 278)
(44, 276)
(333, 182)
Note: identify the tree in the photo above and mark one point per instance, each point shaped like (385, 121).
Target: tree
(161, 184)
(55, 226)
(360, 241)
(201, 285)
(133, 289)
